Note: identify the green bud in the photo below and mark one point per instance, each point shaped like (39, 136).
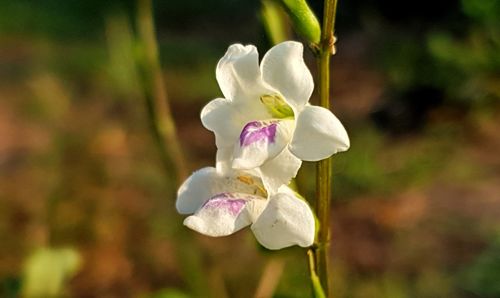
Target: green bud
(303, 19)
(277, 106)
(274, 21)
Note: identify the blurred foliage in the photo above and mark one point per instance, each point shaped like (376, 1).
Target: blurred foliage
(371, 166)
(10, 287)
(68, 19)
(169, 293)
(47, 270)
(79, 20)
(481, 277)
(461, 56)
(410, 209)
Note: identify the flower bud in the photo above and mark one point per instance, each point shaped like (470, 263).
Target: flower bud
(303, 19)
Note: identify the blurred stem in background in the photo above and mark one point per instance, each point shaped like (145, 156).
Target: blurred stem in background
(270, 278)
(155, 92)
(321, 250)
(164, 130)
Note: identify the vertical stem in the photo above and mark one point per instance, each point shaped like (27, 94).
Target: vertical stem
(323, 183)
(165, 133)
(156, 94)
(324, 167)
(317, 288)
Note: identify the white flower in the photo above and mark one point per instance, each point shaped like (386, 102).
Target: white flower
(225, 203)
(265, 122)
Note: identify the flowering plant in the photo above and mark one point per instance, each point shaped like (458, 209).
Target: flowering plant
(265, 122)
(225, 203)
(264, 127)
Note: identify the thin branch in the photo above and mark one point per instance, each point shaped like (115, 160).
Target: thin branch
(324, 168)
(156, 95)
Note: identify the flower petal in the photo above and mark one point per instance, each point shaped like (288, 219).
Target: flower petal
(237, 70)
(226, 213)
(260, 141)
(240, 80)
(286, 221)
(279, 170)
(226, 118)
(318, 134)
(217, 116)
(223, 159)
(195, 190)
(207, 182)
(284, 69)
(239, 76)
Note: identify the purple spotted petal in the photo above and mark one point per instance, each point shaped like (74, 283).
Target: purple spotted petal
(226, 213)
(256, 131)
(226, 201)
(261, 141)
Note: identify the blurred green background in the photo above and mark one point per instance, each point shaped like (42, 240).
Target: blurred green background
(87, 209)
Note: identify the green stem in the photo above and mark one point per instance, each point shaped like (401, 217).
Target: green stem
(320, 252)
(318, 291)
(163, 125)
(323, 183)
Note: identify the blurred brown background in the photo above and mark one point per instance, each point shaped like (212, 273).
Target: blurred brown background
(87, 207)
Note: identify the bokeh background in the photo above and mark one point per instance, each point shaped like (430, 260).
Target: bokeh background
(87, 205)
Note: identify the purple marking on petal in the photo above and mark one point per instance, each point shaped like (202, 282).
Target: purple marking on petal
(256, 131)
(226, 201)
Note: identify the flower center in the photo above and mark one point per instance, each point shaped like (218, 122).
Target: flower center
(277, 106)
(248, 180)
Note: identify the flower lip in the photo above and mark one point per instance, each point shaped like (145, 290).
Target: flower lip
(228, 201)
(278, 220)
(256, 131)
(261, 141)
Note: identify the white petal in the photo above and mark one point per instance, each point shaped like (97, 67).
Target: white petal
(318, 134)
(237, 70)
(217, 116)
(279, 170)
(225, 214)
(260, 141)
(223, 160)
(240, 80)
(286, 221)
(284, 69)
(238, 74)
(207, 182)
(196, 190)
